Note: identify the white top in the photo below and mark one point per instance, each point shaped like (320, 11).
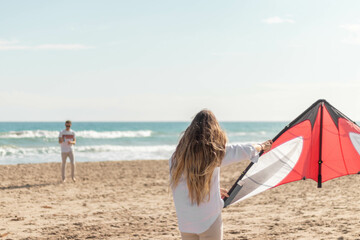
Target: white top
(193, 218)
(67, 136)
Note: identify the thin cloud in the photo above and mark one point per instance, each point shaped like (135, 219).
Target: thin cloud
(275, 20)
(14, 45)
(227, 54)
(62, 46)
(5, 42)
(354, 34)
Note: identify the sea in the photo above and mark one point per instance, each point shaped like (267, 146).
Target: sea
(37, 142)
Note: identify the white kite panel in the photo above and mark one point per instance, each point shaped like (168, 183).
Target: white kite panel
(355, 140)
(271, 169)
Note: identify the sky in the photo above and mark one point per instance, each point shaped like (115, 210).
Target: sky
(160, 60)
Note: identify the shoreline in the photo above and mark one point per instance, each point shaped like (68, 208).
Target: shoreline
(132, 200)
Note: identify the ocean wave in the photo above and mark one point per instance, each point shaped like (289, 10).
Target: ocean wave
(11, 154)
(80, 134)
(114, 134)
(236, 134)
(114, 148)
(30, 134)
(6, 151)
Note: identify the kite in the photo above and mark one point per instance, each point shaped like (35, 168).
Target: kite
(320, 144)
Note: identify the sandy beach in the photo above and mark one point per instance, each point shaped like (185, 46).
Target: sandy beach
(131, 200)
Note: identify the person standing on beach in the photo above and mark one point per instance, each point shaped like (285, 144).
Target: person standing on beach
(67, 140)
(194, 176)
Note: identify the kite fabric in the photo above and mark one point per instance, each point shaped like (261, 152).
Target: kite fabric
(320, 144)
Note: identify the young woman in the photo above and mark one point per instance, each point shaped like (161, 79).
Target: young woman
(194, 175)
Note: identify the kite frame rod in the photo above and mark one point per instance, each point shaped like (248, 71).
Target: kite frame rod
(320, 145)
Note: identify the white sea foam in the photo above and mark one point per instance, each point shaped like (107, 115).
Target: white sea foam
(114, 134)
(6, 151)
(12, 150)
(237, 133)
(82, 134)
(30, 134)
(13, 155)
(247, 133)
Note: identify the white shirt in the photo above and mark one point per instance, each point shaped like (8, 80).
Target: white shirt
(193, 218)
(66, 137)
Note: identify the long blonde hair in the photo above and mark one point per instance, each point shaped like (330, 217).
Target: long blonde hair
(200, 150)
